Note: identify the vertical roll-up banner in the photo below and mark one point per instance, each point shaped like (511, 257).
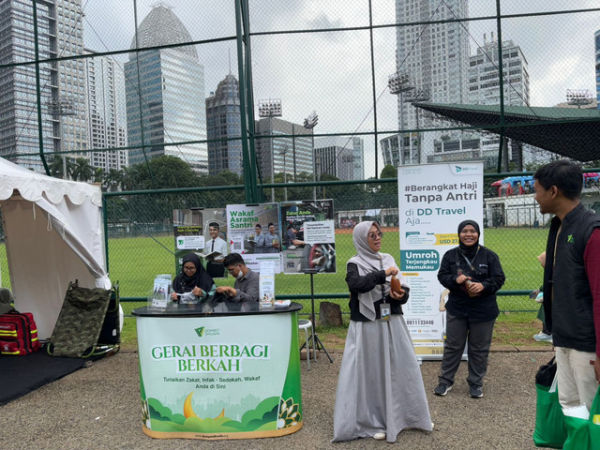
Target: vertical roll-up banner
(433, 199)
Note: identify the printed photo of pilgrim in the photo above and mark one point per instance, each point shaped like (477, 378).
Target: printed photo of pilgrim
(299, 248)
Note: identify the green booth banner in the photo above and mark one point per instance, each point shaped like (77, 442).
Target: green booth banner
(220, 377)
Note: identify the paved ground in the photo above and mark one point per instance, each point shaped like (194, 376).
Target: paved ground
(99, 408)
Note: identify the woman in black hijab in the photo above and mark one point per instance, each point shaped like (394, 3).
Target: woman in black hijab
(473, 274)
(193, 283)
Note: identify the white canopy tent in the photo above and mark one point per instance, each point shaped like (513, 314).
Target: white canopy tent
(54, 235)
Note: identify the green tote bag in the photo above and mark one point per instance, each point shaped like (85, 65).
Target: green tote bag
(584, 434)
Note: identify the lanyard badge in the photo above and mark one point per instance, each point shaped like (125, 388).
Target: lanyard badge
(385, 311)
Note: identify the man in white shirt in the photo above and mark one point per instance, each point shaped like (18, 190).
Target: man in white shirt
(214, 263)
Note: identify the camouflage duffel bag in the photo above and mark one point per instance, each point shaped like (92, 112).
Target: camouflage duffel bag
(80, 321)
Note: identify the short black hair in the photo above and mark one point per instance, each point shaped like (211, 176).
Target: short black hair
(257, 226)
(214, 224)
(270, 223)
(565, 175)
(232, 259)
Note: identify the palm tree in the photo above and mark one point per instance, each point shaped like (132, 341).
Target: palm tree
(98, 174)
(57, 169)
(82, 170)
(112, 180)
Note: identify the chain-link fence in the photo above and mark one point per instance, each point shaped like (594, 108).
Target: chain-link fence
(142, 243)
(253, 94)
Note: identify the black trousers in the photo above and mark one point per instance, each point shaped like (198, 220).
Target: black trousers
(478, 336)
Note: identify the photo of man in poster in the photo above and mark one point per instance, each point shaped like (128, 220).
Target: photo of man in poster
(271, 242)
(215, 250)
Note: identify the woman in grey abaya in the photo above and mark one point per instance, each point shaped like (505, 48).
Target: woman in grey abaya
(380, 389)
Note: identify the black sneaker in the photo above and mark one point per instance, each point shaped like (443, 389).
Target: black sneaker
(442, 389)
(475, 391)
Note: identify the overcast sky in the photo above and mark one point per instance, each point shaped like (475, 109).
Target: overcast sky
(331, 72)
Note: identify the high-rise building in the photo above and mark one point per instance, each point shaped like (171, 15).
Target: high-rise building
(342, 157)
(597, 40)
(107, 119)
(291, 154)
(71, 76)
(432, 60)
(165, 93)
(484, 82)
(62, 84)
(223, 123)
(484, 89)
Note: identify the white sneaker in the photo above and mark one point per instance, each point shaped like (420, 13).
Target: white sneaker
(542, 337)
(380, 436)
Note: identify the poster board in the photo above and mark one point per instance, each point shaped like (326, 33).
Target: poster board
(433, 199)
(255, 233)
(308, 233)
(194, 233)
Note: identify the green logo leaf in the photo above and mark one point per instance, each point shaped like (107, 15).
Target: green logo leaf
(570, 239)
(199, 331)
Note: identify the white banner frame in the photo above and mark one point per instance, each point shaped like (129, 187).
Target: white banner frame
(432, 200)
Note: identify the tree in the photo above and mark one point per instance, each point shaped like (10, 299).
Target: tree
(56, 167)
(112, 180)
(160, 173)
(387, 196)
(98, 174)
(82, 170)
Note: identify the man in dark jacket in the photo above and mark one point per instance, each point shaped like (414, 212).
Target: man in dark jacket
(571, 281)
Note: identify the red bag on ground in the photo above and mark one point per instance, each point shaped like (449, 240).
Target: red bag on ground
(18, 334)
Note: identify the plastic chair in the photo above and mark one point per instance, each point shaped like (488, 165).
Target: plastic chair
(305, 325)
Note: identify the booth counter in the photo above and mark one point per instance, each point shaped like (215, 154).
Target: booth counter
(219, 371)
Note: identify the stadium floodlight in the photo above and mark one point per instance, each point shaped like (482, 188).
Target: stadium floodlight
(399, 82)
(269, 108)
(310, 123)
(579, 97)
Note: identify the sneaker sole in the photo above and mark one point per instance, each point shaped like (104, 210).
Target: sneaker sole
(444, 394)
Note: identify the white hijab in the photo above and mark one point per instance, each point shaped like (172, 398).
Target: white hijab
(369, 261)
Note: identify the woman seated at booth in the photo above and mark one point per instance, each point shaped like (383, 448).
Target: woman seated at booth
(193, 284)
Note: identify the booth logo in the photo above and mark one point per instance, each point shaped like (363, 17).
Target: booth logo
(203, 331)
(462, 169)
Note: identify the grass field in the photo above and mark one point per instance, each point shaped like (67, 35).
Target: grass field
(134, 262)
